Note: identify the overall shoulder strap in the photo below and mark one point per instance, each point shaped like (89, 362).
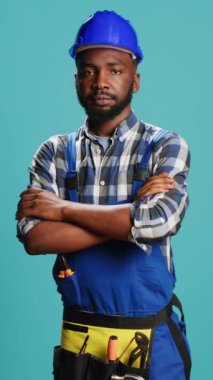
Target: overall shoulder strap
(141, 171)
(72, 178)
(150, 146)
(71, 151)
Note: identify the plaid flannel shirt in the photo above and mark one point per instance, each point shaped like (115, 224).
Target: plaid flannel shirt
(106, 178)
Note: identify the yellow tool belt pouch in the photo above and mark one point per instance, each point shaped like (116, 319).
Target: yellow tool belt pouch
(131, 346)
(84, 351)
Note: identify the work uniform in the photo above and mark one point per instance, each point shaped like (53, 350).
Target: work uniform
(125, 280)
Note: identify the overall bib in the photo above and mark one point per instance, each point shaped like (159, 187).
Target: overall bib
(119, 280)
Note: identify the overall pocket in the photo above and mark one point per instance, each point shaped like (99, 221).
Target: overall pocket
(69, 289)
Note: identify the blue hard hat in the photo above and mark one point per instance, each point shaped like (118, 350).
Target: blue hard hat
(107, 29)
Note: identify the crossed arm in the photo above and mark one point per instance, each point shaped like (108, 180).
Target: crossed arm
(67, 227)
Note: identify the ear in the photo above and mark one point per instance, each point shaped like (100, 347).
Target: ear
(136, 82)
(76, 79)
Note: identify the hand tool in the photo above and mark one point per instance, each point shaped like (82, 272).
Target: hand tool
(64, 271)
(84, 345)
(112, 348)
(127, 377)
(140, 351)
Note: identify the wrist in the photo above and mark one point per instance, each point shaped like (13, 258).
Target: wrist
(65, 212)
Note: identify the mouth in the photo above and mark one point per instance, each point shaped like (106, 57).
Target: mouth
(102, 100)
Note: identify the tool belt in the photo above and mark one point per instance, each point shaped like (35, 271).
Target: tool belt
(72, 363)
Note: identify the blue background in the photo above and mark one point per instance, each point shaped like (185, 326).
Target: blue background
(37, 99)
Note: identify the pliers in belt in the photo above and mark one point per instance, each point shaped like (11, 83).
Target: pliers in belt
(140, 350)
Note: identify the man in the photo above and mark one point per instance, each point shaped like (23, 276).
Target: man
(107, 200)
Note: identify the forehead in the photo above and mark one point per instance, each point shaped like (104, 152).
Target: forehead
(104, 56)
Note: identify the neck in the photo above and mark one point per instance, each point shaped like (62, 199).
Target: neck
(107, 128)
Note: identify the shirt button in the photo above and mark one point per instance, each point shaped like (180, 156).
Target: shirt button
(102, 183)
(98, 151)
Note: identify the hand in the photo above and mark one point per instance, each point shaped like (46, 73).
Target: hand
(159, 183)
(40, 204)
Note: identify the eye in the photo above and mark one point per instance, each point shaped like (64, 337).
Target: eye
(89, 73)
(86, 73)
(116, 71)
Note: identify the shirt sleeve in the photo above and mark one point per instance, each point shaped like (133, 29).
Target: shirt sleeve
(159, 216)
(42, 176)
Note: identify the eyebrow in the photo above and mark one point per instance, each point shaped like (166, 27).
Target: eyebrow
(116, 63)
(90, 64)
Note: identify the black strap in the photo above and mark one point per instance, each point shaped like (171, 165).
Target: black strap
(181, 346)
(73, 327)
(176, 302)
(119, 322)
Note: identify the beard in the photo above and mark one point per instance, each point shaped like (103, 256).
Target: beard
(99, 116)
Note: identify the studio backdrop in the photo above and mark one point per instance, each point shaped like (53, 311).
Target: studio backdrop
(38, 100)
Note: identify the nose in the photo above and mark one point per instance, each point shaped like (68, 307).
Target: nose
(100, 80)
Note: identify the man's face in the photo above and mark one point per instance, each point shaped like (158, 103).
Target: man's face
(105, 81)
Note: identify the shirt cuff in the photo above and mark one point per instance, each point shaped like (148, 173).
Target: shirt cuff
(133, 236)
(25, 225)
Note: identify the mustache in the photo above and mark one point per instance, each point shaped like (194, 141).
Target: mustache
(103, 94)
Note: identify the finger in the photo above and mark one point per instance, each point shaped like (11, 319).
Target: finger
(154, 190)
(31, 191)
(159, 180)
(28, 204)
(25, 201)
(28, 197)
(166, 183)
(150, 192)
(163, 176)
(25, 213)
(22, 207)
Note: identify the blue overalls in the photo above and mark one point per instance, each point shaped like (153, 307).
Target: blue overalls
(119, 279)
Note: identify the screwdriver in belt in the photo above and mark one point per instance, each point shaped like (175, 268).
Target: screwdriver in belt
(64, 270)
(112, 348)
